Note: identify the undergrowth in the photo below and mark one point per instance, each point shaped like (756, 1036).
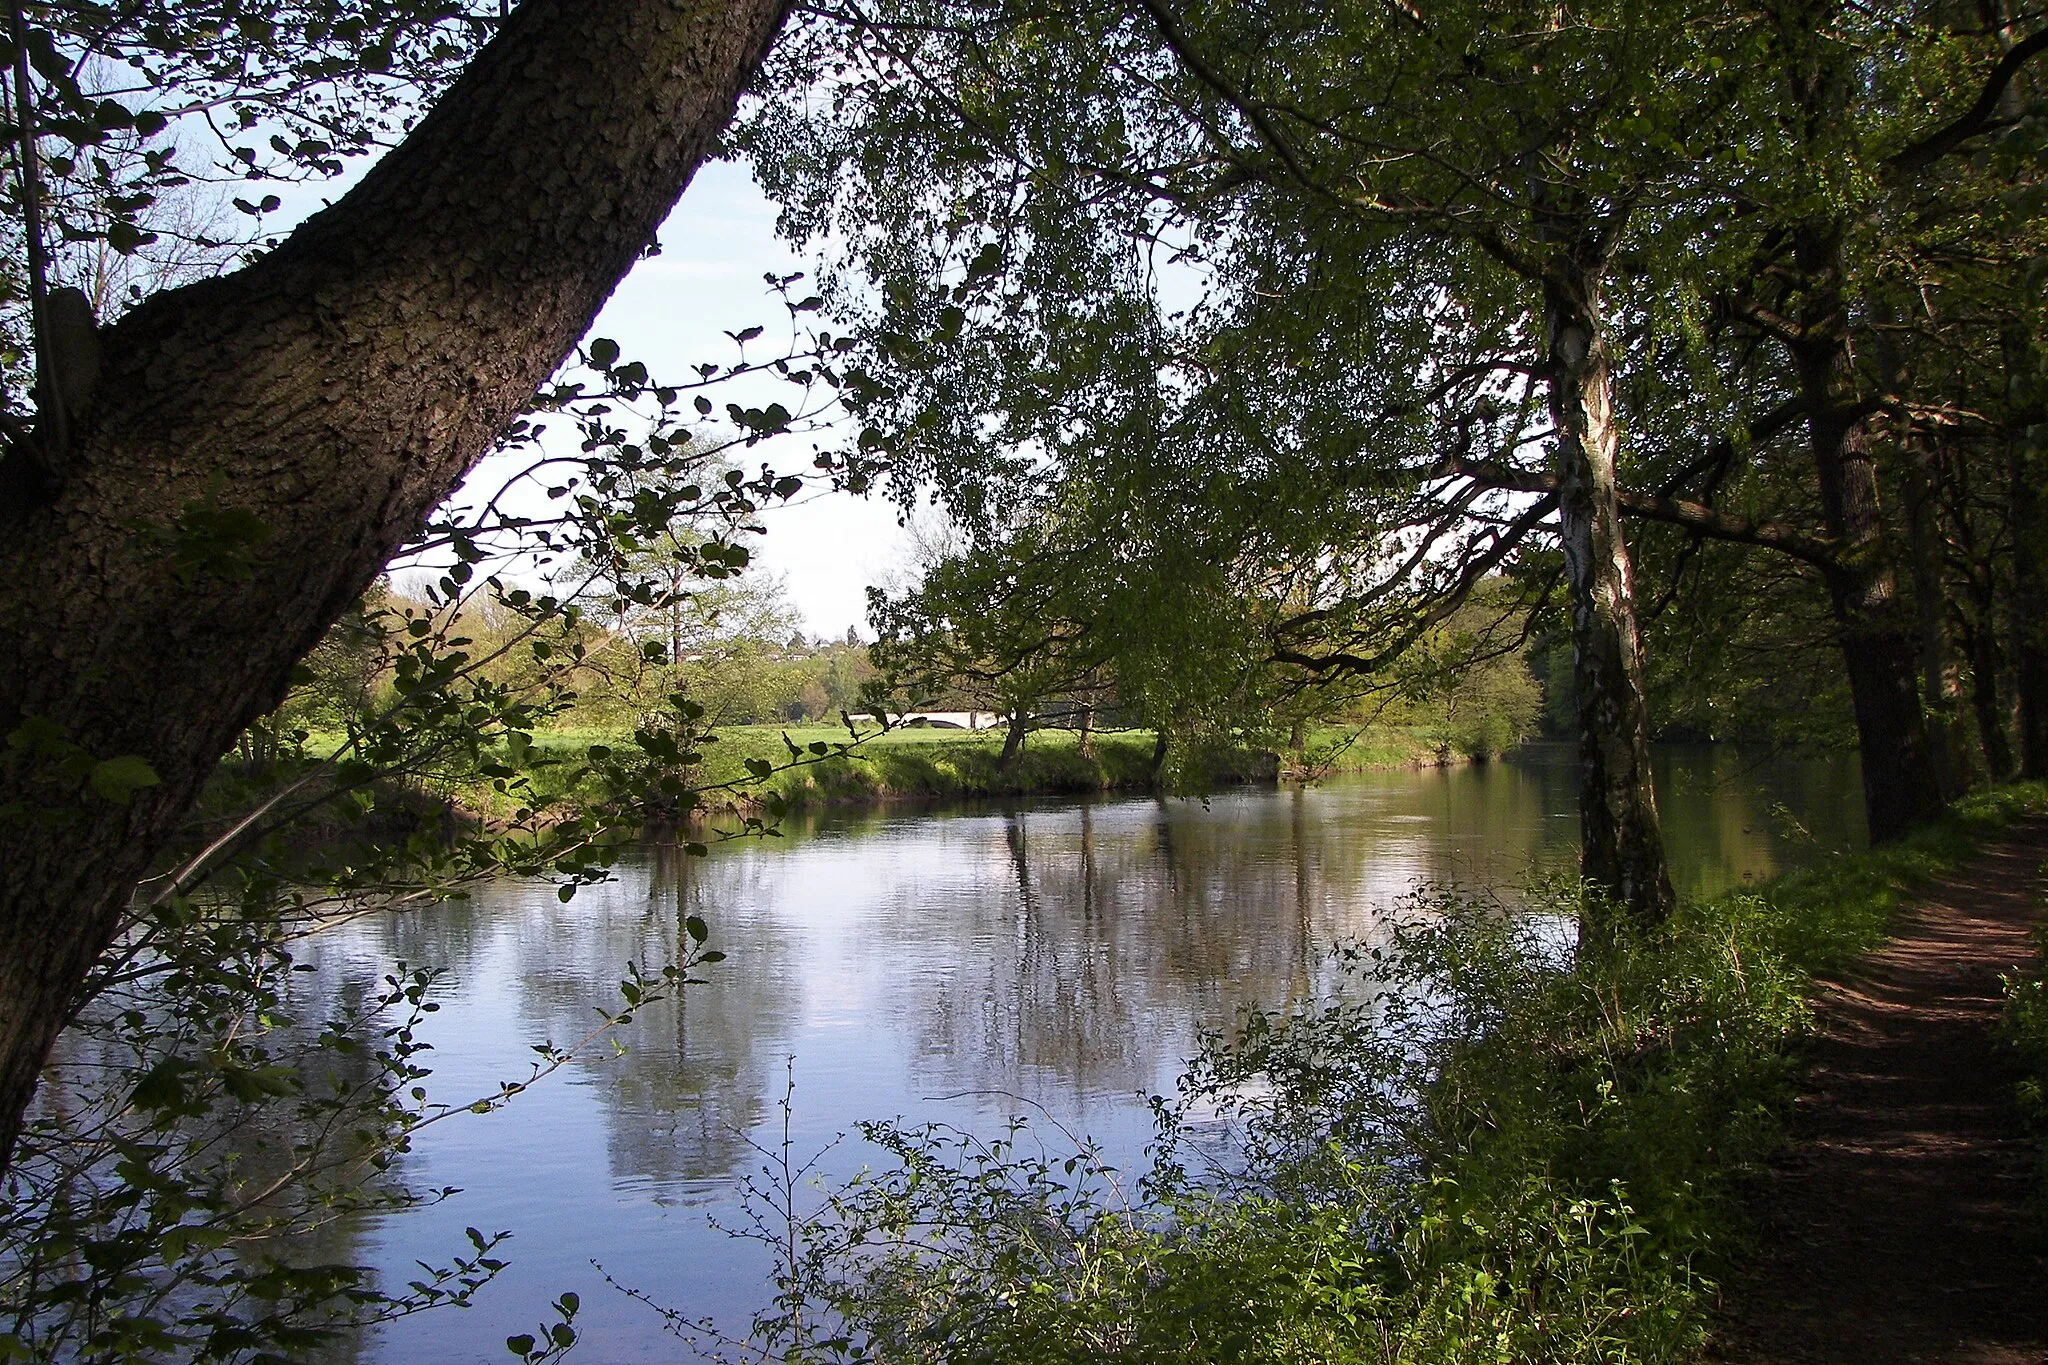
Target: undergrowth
(2024, 1030)
(1489, 1148)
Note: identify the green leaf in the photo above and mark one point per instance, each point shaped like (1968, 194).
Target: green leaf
(163, 1085)
(118, 779)
(697, 929)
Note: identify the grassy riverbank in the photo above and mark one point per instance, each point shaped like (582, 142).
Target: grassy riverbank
(1563, 1181)
(921, 764)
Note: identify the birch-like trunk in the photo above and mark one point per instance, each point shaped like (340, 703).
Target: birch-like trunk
(1621, 845)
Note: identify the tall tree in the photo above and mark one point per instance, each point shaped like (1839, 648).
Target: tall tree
(1444, 196)
(257, 445)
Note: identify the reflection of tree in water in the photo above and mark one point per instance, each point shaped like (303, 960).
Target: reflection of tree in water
(690, 1079)
(679, 1102)
(1105, 929)
(1740, 816)
(287, 1169)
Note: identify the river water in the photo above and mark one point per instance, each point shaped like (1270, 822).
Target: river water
(1054, 959)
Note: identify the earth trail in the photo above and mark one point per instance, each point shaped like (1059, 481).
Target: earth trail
(1901, 1225)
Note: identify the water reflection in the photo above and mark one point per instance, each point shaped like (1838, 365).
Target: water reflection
(952, 965)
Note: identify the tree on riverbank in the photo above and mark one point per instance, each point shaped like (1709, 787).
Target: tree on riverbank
(216, 477)
(1447, 294)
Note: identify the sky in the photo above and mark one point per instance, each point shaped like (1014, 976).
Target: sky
(674, 310)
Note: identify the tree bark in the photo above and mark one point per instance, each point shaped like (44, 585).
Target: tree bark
(1013, 740)
(260, 444)
(1621, 845)
(2030, 603)
(1901, 785)
(2026, 436)
(1980, 642)
(1941, 689)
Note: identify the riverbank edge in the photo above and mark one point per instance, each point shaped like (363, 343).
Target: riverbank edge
(909, 769)
(936, 767)
(1586, 1160)
(1688, 1210)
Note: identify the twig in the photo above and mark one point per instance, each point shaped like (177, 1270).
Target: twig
(55, 434)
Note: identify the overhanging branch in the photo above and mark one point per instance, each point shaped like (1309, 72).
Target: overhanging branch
(1978, 118)
(1694, 516)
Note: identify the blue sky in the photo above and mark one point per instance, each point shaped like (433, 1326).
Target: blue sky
(674, 311)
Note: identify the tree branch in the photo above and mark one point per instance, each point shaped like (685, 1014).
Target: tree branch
(1694, 516)
(1978, 119)
(54, 433)
(1423, 622)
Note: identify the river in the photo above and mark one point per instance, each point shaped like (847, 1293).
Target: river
(960, 965)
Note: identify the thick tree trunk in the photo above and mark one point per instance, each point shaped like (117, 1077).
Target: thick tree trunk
(1621, 843)
(261, 443)
(1901, 785)
(2030, 606)
(1941, 689)
(1013, 740)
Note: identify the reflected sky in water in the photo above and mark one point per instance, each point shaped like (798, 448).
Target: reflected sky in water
(960, 965)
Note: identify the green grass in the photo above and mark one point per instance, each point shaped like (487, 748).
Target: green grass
(923, 764)
(1349, 749)
(930, 765)
(912, 764)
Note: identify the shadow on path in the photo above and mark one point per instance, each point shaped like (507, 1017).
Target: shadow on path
(1900, 1225)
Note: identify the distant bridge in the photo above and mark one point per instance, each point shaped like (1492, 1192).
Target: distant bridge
(952, 720)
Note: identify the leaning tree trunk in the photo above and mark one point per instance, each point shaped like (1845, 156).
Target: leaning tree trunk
(1901, 785)
(1621, 845)
(1013, 740)
(260, 444)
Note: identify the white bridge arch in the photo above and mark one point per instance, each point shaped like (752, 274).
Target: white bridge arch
(952, 720)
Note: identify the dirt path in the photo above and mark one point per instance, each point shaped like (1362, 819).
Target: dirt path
(1899, 1227)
